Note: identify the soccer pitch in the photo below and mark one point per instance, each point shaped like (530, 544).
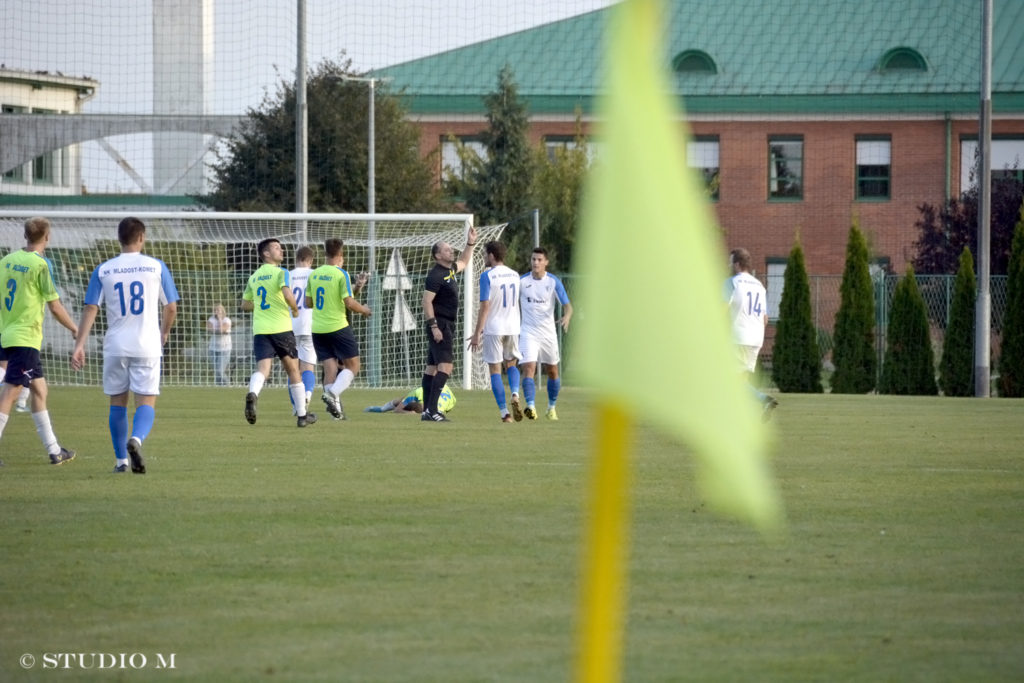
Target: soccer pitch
(384, 549)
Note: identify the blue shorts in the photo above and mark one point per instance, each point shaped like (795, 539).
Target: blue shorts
(340, 344)
(23, 365)
(281, 345)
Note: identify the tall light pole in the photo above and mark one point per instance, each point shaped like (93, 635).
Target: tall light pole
(373, 297)
(983, 308)
(301, 115)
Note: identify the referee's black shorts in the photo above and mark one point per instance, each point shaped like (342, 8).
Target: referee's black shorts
(440, 352)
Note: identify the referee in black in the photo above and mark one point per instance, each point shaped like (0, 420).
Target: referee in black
(441, 309)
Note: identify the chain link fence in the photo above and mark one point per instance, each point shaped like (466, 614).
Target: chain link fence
(937, 291)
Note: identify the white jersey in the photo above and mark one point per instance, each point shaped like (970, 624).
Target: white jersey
(748, 309)
(298, 277)
(134, 287)
(500, 286)
(537, 300)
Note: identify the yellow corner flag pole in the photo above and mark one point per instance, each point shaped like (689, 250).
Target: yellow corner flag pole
(653, 302)
(606, 545)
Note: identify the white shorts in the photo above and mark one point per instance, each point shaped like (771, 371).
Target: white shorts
(539, 348)
(748, 357)
(140, 375)
(499, 347)
(304, 345)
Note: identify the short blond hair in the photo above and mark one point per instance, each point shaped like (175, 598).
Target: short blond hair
(36, 229)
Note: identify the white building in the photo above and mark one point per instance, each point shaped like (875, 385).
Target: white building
(58, 172)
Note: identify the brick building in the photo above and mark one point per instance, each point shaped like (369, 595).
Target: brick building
(804, 113)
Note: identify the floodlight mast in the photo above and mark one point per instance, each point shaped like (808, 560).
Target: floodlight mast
(371, 208)
(983, 309)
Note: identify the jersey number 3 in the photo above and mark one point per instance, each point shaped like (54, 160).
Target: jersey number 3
(12, 286)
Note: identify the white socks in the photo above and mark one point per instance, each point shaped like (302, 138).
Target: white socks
(45, 432)
(342, 383)
(256, 383)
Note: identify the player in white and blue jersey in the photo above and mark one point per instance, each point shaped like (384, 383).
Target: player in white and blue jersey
(497, 326)
(302, 326)
(748, 311)
(539, 291)
(141, 303)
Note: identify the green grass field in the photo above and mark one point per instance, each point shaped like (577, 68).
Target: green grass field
(384, 549)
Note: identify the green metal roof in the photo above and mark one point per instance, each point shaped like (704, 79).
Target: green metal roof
(772, 56)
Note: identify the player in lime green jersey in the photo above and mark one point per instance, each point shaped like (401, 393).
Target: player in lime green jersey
(329, 295)
(412, 403)
(27, 283)
(268, 295)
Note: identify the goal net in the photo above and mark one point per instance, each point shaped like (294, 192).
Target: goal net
(212, 255)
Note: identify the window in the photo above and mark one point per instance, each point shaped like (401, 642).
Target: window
(694, 62)
(702, 155)
(15, 175)
(902, 59)
(786, 167)
(552, 143)
(774, 281)
(44, 167)
(874, 167)
(451, 162)
(1007, 160)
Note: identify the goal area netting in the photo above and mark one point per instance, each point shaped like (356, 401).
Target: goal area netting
(212, 255)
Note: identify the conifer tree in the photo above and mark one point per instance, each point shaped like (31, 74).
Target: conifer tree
(853, 351)
(1011, 360)
(956, 369)
(909, 367)
(796, 359)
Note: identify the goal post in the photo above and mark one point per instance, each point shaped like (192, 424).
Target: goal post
(212, 254)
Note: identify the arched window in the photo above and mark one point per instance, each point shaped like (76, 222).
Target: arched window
(694, 62)
(902, 59)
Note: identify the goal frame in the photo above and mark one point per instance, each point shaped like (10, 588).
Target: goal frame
(83, 237)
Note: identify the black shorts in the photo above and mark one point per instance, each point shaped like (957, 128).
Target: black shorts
(281, 345)
(340, 344)
(440, 352)
(23, 365)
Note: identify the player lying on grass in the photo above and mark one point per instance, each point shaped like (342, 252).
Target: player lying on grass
(412, 403)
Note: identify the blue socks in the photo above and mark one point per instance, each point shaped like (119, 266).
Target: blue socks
(309, 380)
(119, 431)
(513, 379)
(529, 390)
(553, 386)
(498, 389)
(142, 422)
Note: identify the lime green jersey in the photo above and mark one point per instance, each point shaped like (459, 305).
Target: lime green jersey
(27, 286)
(328, 287)
(445, 402)
(271, 314)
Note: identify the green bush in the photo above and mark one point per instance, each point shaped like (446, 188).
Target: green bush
(854, 353)
(956, 369)
(796, 358)
(909, 367)
(1011, 360)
